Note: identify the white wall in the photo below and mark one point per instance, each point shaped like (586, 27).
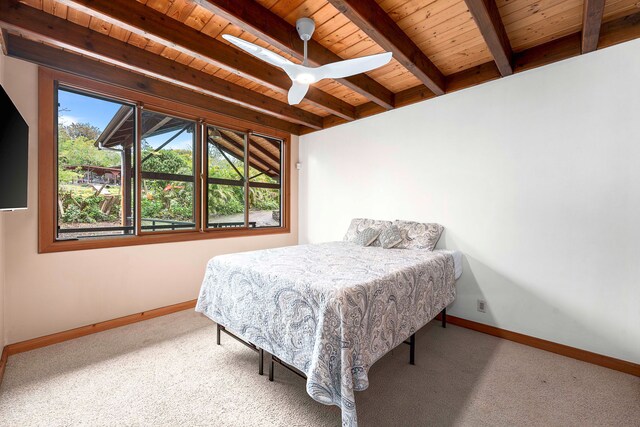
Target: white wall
(537, 180)
(47, 293)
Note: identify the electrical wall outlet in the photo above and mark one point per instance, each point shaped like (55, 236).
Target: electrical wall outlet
(482, 306)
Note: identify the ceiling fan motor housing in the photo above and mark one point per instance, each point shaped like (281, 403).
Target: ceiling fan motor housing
(305, 27)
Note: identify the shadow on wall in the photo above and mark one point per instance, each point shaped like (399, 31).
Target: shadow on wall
(509, 298)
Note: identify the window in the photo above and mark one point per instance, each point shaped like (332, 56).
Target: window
(95, 156)
(167, 164)
(232, 199)
(264, 181)
(126, 168)
(226, 187)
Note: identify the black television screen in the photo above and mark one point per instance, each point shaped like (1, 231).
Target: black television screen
(14, 149)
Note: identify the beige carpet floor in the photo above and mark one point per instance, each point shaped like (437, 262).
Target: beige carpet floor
(168, 372)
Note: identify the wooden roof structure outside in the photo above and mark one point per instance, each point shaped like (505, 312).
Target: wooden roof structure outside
(264, 154)
(176, 47)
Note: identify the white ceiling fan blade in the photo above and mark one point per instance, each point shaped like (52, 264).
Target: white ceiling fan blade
(257, 51)
(350, 67)
(297, 93)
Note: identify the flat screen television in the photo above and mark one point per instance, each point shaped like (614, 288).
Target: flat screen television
(14, 151)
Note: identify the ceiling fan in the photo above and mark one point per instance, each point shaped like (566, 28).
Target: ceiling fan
(302, 75)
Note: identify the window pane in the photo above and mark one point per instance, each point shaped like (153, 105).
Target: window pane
(265, 160)
(96, 168)
(225, 179)
(167, 163)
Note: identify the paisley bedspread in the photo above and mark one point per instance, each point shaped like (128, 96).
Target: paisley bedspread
(331, 310)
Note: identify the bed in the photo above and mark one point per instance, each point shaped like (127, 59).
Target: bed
(328, 310)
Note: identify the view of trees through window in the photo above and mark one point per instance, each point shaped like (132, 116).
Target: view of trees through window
(96, 150)
(264, 181)
(227, 184)
(167, 162)
(91, 198)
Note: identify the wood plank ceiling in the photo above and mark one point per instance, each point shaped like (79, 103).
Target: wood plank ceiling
(439, 46)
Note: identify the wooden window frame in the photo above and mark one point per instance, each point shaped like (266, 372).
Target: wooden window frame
(197, 169)
(47, 172)
(205, 178)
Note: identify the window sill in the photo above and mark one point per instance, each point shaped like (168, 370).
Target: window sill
(149, 239)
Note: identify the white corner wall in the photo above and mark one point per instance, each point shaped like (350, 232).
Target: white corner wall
(537, 180)
(48, 293)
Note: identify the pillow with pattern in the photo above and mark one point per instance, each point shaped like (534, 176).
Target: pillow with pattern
(417, 235)
(390, 237)
(367, 236)
(359, 224)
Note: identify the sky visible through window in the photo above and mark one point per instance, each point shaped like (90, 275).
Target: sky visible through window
(183, 142)
(75, 108)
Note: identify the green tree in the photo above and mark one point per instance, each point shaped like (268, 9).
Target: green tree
(76, 147)
(82, 151)
(165, 199)
(86, 130)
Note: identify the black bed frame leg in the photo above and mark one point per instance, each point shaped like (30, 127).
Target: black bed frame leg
(412, 349)
(444, 317)
(218, 334)
(261, 362)
(271, 367)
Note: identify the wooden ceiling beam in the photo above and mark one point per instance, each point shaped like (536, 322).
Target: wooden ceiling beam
(619, 30)
(614, 32)
(54, 58)
(65, 34)
(591, 23)
(151, 24)
(548, 53)
(382, 29)
(256, 19)
(487, 17)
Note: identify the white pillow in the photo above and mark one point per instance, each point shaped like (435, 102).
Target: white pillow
(417, 235)
(390, 237)
(359, 224)
(367, 236)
